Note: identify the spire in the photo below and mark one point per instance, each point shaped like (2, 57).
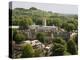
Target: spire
(44, 21)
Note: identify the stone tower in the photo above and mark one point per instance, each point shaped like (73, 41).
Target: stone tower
(44, 21)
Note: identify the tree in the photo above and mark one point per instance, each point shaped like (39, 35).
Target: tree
(15, 22)
(26, 22)
(37, 19)
(59, 47)
(33, 8)
(66, 53)
(57, 22)
(27, 51)
(74, 22)
(38, 22)
(59, 40)
(68, 26)
(19, 37)
(41, 37)
(49, 22)
(14, 32)
(71, 47)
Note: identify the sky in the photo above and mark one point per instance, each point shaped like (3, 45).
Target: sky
(58, 8)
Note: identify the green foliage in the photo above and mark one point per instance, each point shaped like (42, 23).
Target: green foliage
(39, 22)
(38, 53)
(33, 8)
(25, 17)
(19, 37)
(66, 53)
(50, 22)
(58, 49)
(54, 21)
(68, 26)
(57, 22)
(14, 32)
(27, 51)
(26, 22)
(71, 47)
(41, 37)
(59, 40)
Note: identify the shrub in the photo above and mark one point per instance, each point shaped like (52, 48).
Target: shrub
(27, 51)
(19, 37)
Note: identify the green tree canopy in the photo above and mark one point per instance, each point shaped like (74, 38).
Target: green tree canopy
(57, 22)
(41, 37)
(27, 51)
(71, 47)
(19, 37)
(50, 22)
(14, 32)
(26, 21)
(24, 24)
(38, 22)
(68, 26)
(59, 40)
(33, 8)
(59, 47)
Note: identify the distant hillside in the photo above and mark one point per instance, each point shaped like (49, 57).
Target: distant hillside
(34, 15)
